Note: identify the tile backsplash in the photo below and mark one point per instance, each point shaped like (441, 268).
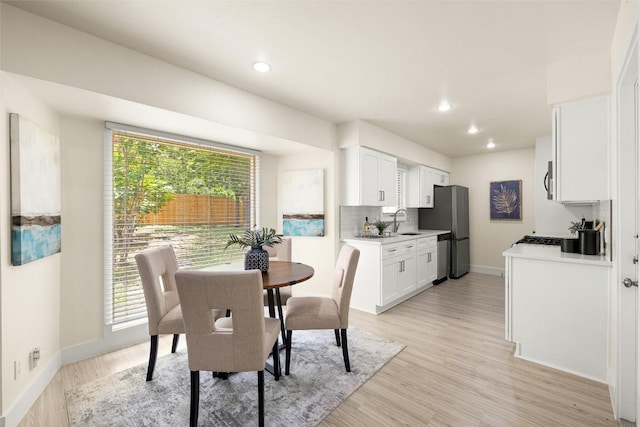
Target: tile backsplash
(352, 219)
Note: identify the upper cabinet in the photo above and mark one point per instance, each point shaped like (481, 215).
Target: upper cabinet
(440, 178)
(369, 177)
(421, 180)
(580, 169)
(420, 187)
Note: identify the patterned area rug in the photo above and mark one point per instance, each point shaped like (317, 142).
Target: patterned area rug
(317, 385)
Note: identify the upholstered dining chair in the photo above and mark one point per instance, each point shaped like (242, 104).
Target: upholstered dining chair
(315, 312)
(157, 268)
(244, 345)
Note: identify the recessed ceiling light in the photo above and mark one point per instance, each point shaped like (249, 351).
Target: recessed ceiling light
(472, 130)
(490, 144)
(261, 67)
(444, 107)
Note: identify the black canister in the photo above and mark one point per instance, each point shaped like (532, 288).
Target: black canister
(570, 245)
(589, 242)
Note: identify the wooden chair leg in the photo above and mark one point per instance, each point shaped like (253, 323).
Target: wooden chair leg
(345, 350)
(337, 331)
(153, 354)
(174, 345)
(287, 361)
(195, 398)
(260, 398)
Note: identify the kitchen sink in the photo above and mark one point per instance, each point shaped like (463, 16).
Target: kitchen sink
(409, 234)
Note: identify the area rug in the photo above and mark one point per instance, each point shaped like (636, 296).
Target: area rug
(317, 385)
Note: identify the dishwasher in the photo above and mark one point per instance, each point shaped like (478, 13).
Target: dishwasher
(444, 242)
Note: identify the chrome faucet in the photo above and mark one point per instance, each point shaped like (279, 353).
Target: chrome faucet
(395, 220)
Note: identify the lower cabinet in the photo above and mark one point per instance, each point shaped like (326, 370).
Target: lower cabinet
(398, 278)
(557, 314)
(427, 261)
(390, 273)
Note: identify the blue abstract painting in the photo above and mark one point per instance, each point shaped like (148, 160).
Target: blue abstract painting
(35, 192)
(303, 203)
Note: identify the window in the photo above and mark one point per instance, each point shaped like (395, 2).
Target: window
(401, 194)
(167, 190)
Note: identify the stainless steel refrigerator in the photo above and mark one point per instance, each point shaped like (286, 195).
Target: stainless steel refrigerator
(450, 212)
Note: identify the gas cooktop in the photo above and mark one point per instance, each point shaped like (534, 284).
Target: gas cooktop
(540, 240)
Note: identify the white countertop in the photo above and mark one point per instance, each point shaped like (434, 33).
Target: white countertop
(395, 238)
(553, 253)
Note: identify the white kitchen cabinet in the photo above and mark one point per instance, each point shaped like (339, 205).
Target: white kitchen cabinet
(420, 187)
(556, 309)
(389, 273)
(440, 178)
(398, 271)
(427, 261)
(580, 150)
(368, 177)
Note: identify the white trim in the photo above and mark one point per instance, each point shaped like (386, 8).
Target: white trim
(19, 409)
(487, 270)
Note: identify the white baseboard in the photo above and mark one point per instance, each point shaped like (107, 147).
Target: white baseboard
(112, 341)
(19, 409)
(559, 368)
(487, 270)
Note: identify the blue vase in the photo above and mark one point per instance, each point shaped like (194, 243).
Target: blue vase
(256, 259)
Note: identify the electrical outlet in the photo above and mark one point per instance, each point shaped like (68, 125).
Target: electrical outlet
(17, 369)
(34, 356)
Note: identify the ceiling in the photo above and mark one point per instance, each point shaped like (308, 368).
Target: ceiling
(387, 62)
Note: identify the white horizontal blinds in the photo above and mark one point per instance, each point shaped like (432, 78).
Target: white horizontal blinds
(401, 189)
(168, 192)
(400, 202)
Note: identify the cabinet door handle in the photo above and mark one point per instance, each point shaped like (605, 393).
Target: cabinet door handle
(380, 195)
(384, 196)
(429, 257)
(428, 200)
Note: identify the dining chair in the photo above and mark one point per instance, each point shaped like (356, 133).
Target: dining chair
(157, 268)
(316, 312)
(244, 345)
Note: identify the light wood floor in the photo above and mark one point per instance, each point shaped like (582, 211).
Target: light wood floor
(456, 370)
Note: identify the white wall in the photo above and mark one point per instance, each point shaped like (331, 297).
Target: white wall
(318, 252)
(30, 294)
(82, 293)
(490, 238)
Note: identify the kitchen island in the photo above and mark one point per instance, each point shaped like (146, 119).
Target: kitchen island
(393, 269)
(556, 308)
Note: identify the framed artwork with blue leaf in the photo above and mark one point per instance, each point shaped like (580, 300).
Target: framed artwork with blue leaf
(505, 200)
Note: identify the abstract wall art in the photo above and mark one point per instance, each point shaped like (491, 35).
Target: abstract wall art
(303, 203)
(35, 191)
(505, 199)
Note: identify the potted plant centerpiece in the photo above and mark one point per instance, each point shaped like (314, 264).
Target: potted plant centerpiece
(256, 258)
